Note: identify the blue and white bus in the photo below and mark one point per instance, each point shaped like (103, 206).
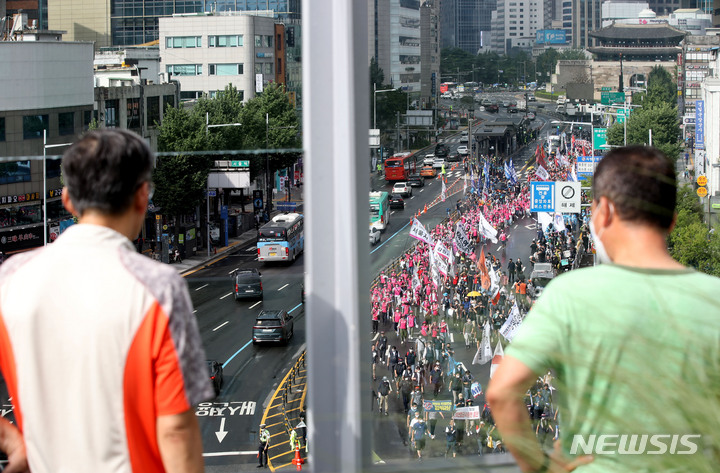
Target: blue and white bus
(282, 238)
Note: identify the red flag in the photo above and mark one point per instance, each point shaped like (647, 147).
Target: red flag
(541, 157)
(484, 276)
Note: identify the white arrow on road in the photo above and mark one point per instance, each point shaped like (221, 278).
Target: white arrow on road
(222, 432)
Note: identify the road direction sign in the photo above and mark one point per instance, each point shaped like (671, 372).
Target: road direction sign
(702, 180)
(605, 89)
(212, 193)
(586, 165)
(542, 196)
(239, 164)
(702, 191)
(599, 138)
(567, 197)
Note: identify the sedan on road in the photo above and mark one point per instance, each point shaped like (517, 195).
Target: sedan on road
(492, 108)
(415, 180)
(462, 150)
(273, 326)
(438, 163)
(397, 202)
(453, 158)
(402, 188)
(428, 171)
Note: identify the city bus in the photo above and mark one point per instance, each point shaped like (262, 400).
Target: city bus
(399, 166)
(379, 210)
(282, 238)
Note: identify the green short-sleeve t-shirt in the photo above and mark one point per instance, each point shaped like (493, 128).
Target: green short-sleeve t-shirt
(636, 352)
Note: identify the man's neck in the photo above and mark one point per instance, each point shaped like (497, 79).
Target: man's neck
(123, 224)
(641, 246)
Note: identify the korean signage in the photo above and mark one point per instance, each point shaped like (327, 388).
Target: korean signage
(434, 406)
(586, 165)
(621, 115)
(20, 198)
(567, 197)
(542, 196)
(21, 239)
(700, 124)
(599, 138)
(609, 98)
(550, 37)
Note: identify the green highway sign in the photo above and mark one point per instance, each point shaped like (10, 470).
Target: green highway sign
(621, 115)
(239, 164)
(609, 98)
(606, 89)
(716, 206)
(599, 138)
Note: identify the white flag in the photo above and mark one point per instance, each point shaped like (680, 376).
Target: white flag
(462, 240)
(442, 250)
(442, 266)
(563, 160)
(434, 270)
(511, 324)
(559, 222)
(573, 175)
(484, 353)
(415, 278)
(418, 232)
(498, 355)
(443, 191)
(487, 229)
(542, 173)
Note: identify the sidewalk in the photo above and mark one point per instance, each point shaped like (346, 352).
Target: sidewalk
(201, 258)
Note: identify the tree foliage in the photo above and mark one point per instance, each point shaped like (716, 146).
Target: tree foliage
(690, 242)
(181, 180)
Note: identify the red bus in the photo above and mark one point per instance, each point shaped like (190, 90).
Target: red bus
(398, 167)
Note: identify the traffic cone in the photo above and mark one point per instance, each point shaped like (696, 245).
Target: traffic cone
(297, 461)
(425, 209)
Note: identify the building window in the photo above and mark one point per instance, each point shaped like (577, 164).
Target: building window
(185, 69)
(172, 42)
(279, 42)
(66, 123)
(2, 128)
(225, 41)
(87, 119)
(190, 94)
(168, 100)
(153, 111)
(111, 113)
(225, 69)
(258, 41)
(269, 41)
(33, 126)
(279, 66)
(133, 113)
(268, 68)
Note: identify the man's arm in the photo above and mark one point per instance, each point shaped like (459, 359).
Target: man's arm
(11, 442)
(505, 395)
(180, 443)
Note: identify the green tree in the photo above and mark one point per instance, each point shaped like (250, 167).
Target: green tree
(661, 118)
(454, 62)
(546, 63)
(572, 55)
(377, 75)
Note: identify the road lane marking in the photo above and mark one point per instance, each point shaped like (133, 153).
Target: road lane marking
(286, 285)
(252, 248)
(291, 310)
(391, 213)
(195, 311)
(252, 306)
(236, 269)
(422, 190)
(391, 237)
(412, 197)
(221, 325)
(228, 294)
(205, 285)
(236, 353)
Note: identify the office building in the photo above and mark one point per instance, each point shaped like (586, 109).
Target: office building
(463, 22)
(429, 52)
(35, 100)
(515, 24)
(206, 52)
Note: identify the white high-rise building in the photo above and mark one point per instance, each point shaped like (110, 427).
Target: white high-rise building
(514, 24)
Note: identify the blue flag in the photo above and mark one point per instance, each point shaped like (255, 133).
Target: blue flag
(513, 174)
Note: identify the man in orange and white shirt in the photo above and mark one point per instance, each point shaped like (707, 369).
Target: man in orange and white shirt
(98, 345)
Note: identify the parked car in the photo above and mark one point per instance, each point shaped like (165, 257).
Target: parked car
(462, 150)
(438, 163)
(397, 202)
(375, 237)
(415, 180)
(402, 188)
(216, 375)
(428, 171)
(492, 108)
(273, 326)
(248, 284)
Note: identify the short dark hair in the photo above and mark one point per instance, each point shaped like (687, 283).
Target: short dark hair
(104, 168)
(641, 183)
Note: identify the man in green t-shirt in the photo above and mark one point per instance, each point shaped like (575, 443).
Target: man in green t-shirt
(634, 343)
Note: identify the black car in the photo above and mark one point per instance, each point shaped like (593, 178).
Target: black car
(492, 108)
(453, 158)
(397, 202)
(216, 375)
(248, 284)
(273, 326)
(441, 150)
(415, 180)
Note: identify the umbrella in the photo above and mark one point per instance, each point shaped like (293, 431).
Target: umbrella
(473, 294)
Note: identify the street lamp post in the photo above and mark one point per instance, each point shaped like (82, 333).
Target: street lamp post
(592, 131)
(45, 148)
(207, 192)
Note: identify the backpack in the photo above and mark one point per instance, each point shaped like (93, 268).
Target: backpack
(385, 388)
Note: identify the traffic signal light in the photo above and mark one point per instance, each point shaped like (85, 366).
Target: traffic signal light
(580, 127)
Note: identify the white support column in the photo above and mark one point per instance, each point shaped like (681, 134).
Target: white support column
(336, 116)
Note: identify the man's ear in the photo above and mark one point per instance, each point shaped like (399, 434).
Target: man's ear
(67, 203)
